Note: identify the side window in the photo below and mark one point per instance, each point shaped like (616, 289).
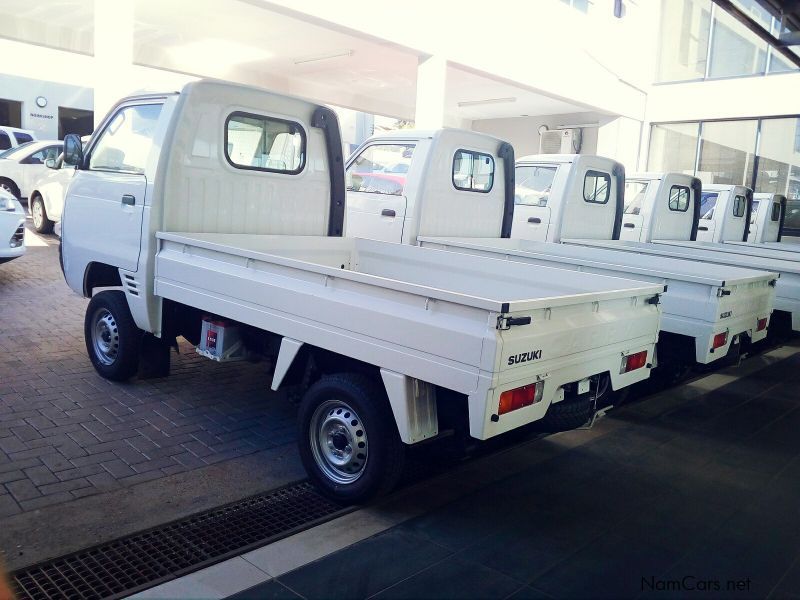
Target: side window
(5, 141)
(776, 212)
(533, 183)
(739, 206)
(679, 198)
(125, 143)
(265, 143)
(473, 171)
(635, 192)
(596, 187)
(22, 137)
(38, 158)
(380, 169)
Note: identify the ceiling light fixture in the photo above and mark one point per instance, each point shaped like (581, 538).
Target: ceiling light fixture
(316, 57)
(487, 101)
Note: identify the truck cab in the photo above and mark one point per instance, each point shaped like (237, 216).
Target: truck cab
(766, 219)
(567, 195)
(660, 206)
(466, 173)
(724, 213)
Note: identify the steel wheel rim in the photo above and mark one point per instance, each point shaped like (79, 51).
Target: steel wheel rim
(37, 213)
(105, 336)
(339, 442)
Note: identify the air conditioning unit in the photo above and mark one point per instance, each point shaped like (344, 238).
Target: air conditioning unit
(559, 141)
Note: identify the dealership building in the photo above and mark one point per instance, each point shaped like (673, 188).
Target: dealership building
(659, 85)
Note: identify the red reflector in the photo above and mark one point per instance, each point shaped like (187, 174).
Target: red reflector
(633, 361)
(762, 324)
(520, 397)
(719, 340)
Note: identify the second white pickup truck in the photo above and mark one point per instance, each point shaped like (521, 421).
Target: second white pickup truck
(409, 187)
(216, 214)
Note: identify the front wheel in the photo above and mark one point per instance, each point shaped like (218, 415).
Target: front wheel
(112, 338)
(41, 223)
(348, 439)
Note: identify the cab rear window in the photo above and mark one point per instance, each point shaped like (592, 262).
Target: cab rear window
(473, 171)
(776, 212)
(739, 206)
(596, 187)
(262, 143)
(679, 198)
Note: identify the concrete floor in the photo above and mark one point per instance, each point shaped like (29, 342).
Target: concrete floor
(692, 492)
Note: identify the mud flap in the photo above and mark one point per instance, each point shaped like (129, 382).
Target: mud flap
(154, 358)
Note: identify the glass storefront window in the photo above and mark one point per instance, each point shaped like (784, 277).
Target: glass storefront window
(673, 147)
(735, 50)
(685, 26)
(726, 152)
(777, 152)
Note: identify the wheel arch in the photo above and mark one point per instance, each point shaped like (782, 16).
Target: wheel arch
(100, 275)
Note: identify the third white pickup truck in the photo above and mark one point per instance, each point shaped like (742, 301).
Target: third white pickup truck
(451, 189)
(217, 213)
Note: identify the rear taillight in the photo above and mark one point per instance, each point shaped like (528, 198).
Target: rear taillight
(719, 340)
(520, 397)
(762, 324)
(633, 362)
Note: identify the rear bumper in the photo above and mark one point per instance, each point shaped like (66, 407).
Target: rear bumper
(483, 405)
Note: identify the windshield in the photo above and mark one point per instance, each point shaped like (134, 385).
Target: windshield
(634, 196)
(17, 152)
(708, 200)
(533, 185)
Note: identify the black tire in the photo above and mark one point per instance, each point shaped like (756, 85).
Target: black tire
(569, 414)
(385, 452)
(121, 361)
(9, 185)
(46, 225)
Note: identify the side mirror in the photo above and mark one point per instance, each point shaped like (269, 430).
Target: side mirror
(50, 163)
(73, 150)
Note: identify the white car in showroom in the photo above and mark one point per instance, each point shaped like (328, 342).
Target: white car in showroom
(11, 137)
(22, 166)
(46, 200)
(12, 227)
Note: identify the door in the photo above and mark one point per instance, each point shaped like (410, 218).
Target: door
(706, 224)
(33, 167)
(632, 219)
(376, 203)
(106, 197)
(532, 215)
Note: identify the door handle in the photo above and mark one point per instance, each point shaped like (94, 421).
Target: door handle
(629, 225)
(129, 200)
(388, 212)
(702, 228)
(534, 220)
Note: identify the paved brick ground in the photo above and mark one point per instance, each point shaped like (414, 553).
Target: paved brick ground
(66, 433)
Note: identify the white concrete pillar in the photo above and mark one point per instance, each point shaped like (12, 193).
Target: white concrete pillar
(620, 139)
(113, 53)
(431, 88)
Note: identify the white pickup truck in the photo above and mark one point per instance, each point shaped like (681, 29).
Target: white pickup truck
(216, 213)
(661, 206)
(406, 187)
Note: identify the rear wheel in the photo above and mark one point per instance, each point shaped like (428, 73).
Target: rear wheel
(348, 439)
(41, 223)
(112, 338)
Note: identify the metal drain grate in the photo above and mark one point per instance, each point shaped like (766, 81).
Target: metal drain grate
(141, 560)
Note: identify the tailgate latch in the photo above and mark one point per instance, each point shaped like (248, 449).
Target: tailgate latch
(721, 293)
(504, 322)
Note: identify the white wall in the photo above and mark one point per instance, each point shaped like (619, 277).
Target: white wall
(523, 132)
(44, 121)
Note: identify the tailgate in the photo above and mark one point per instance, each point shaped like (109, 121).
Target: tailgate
(557, 335)
(753, 298)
